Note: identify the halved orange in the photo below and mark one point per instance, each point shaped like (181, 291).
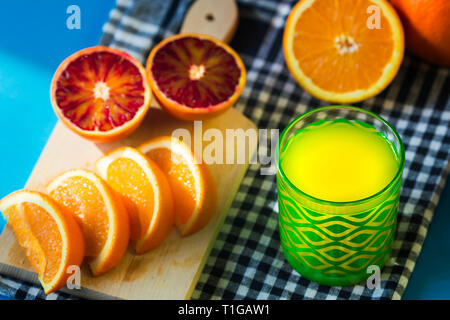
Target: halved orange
(194, 76)
(193, 187)
(52, 239)
(100, 213)
(146, 193)
(343, 51)
(100, 93)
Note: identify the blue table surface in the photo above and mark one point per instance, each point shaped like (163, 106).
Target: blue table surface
(35, 40)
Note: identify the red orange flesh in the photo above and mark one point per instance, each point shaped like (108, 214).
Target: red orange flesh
(100, 93)
(195, 76)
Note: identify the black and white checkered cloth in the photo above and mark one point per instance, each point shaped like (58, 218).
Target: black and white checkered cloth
(246, 261)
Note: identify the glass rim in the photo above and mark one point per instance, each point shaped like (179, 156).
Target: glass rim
(340, 203)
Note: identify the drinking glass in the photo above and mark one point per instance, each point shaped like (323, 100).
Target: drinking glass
(334, 243)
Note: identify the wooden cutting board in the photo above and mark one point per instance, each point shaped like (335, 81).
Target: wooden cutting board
(171, 270)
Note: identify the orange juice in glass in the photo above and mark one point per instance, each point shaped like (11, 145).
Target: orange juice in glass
(338, 178)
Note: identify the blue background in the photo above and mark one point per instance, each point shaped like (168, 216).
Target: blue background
(35, 39)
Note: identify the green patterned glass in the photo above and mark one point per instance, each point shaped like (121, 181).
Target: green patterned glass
(333, 243)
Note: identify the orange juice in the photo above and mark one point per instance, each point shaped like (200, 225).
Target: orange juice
(339, 173)
(339, 160)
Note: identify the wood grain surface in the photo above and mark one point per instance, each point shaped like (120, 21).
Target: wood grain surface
(167, 272)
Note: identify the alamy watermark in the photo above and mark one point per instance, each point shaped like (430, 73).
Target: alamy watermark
(73, 21)
(74, 280)
(232, 146)
(374, 280)
(374, 20)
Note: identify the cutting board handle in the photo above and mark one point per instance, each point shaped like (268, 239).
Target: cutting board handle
(212, 17)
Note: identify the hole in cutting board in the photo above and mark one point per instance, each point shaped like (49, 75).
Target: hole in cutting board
(209, 17)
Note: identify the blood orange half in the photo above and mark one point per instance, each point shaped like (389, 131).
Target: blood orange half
(100, 93)
(195, 76)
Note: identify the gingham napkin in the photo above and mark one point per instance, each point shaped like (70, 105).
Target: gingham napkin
(246, 261)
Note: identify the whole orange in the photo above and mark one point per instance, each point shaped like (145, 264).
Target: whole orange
(427, 28)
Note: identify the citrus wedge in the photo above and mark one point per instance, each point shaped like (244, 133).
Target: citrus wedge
(100, 93)
(194, 76)
(343, 51)
(52, 239)
(193, 187)
(146, 193)
(100, 213)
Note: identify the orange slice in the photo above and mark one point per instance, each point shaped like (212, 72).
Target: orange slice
(343, 51)
(194, 76)
(100, 93)
(193, 187)
(100, 213)
(52, 239)
(146, 193)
